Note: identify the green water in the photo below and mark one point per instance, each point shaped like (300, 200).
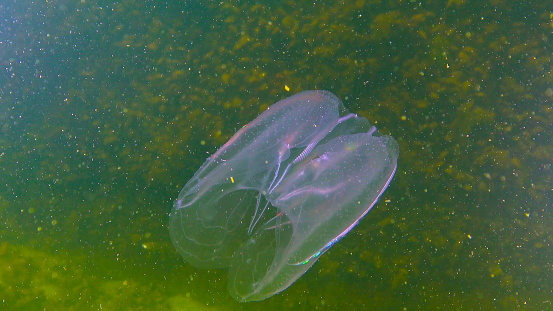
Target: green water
(106, 110)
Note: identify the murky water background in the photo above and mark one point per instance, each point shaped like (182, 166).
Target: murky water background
(107, 109)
